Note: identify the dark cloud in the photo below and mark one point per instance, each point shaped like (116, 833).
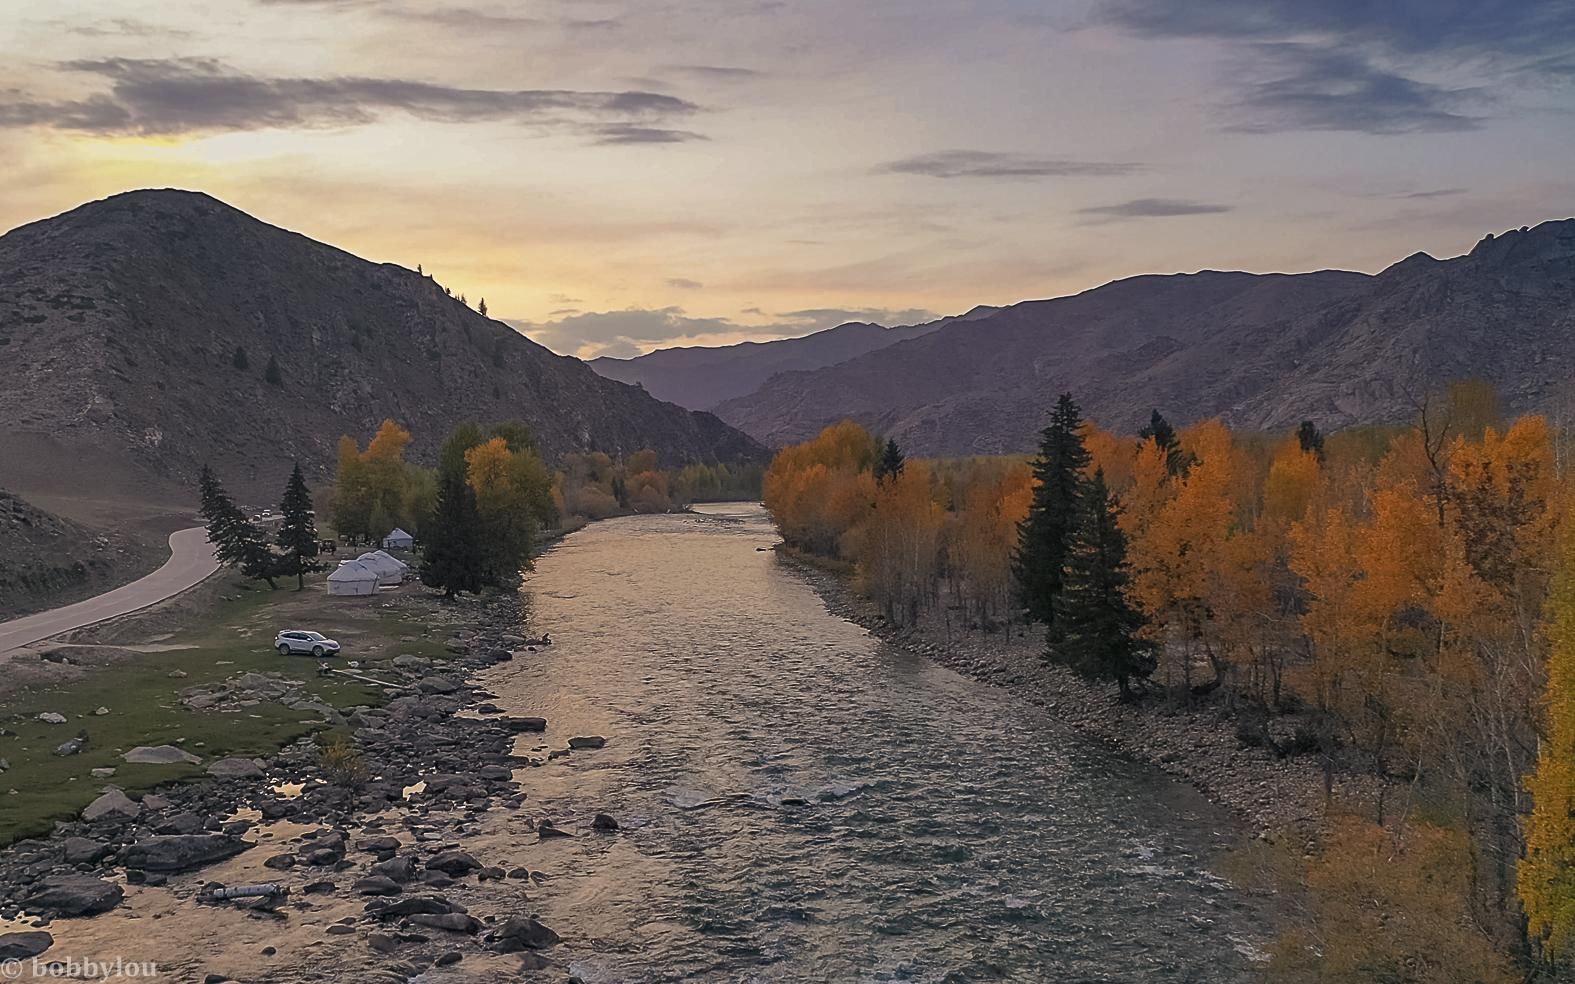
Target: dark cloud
(1313, 87)
(684, 283)
(625, 133)
(1146, 208)
(1526, 28)
(1365, 66)
(717, 73)
(630, 332)
(1432, 193)
(171, 96)
(989, 164)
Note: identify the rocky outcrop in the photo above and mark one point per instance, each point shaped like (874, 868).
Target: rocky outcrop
(182, 852)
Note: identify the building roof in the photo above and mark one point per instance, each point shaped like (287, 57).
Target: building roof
(353, 570)
(398, 534)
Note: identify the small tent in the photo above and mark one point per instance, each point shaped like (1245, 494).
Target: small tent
(353, 578)
(398, 540)
(390, 571)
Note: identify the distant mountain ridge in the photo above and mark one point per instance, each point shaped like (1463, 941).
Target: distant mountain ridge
(700, 377)
(136, 335)
(1260, 350)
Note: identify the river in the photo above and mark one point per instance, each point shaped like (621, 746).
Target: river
(800, 802)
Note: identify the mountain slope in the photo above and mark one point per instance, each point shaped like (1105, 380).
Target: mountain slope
(1263, 351)
(120, 327)
(700, 377)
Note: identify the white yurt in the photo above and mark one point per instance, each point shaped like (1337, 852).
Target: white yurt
(389, 570)
(353, 578)
(398, 540)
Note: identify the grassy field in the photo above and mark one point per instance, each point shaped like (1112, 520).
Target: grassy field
(225, 638)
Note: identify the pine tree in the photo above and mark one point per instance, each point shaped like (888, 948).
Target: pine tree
(1096, 624)
(298, 532)
(237, 541)
(454, 558)
(239, 360)
(481, 308)
(1043, 537)
(272, 373)
(891, 461)
(1310, 439)
(1161, 433)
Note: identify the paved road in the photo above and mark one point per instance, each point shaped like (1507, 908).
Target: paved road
(191, 560)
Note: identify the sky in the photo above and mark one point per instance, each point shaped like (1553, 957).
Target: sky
(615, 176)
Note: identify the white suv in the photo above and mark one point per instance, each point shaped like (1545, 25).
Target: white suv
(296, 641)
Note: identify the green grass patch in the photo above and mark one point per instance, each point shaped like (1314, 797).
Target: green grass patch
(233, 637)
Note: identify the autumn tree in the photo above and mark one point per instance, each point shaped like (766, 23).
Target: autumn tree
(513, 499)
(984, 537)
(297, 535)
(897, 547)
(1097, 626)
(1044, 536)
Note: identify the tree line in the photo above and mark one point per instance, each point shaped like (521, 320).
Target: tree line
(1393, 601)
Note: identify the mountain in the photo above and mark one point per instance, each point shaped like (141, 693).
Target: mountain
(700, 377)
(1262, 351)
(46, 560)
(137, 334)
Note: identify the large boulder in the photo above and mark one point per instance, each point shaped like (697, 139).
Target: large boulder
(113, 803)
(453, 863)
(521, 933)
(235, 768)
(519, 725)
(181, 852)
(22, 946)
(81, 850)
(76, 895)
(160, 755)
(454, 922)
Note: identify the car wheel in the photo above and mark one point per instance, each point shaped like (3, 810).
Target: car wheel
(318, 651)
(284, 649)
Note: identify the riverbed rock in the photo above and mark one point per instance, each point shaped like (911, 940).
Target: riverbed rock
(24, 946)
(160, 755)
(376, 885)
(399, 869)
(604, 822)
(51, 717)
(70, 746)
(280, 862)
(521, 933)
(99, 773)
(113, 803)
(438, 685)
(76, 895)
(453, 922)
(235, 768)
(382, 846)
(182, 852)
(588, 741)
(547, 830)
(432, 905)
(81, 850)
(521, 725)
(453, 863)
(181, 823)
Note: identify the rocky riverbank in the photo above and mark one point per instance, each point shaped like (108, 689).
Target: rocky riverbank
(353, 854)
(1198, 744)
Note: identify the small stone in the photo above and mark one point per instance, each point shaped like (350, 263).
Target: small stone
(453, 863)
(103, 773)
(587, 741)
(101, 712)
(377, 885)
(70, 746)
(448, 959)
(522, 933)
(235, 768)
(160, 755)
(113, 802)
(338, 930)
(453, 922)
(280, 862)
(604, 822)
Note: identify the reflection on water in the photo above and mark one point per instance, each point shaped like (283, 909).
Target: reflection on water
(802, 803)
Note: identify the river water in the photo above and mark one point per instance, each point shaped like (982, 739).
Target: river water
(800, 802)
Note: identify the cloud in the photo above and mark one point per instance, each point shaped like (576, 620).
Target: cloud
(990, 164)
(1308, 87)
(189, 95)
(1433, 193)
(1529, 28)
(716, 73)
(621, 334)
(1145, 208)
(684, 283)
(625, 133)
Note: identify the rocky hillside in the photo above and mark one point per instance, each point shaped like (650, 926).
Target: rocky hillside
(137, 334)
(46, 560)
(701, 377)
(1263, 351)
